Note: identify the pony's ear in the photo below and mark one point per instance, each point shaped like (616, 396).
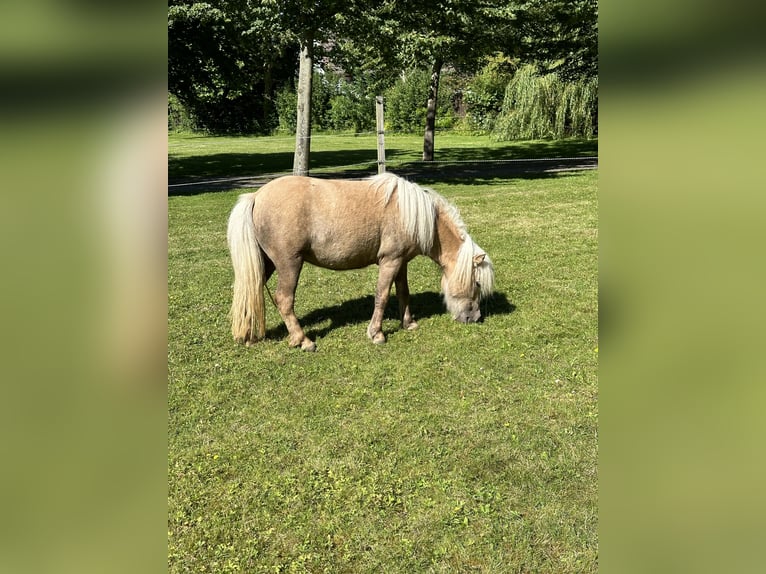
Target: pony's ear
(478, 259)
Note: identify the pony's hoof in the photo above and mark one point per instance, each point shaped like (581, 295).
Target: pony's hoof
(308, 346)
(411, 326)
(379, 338)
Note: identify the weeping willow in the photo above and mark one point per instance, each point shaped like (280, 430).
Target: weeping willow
(545, 107)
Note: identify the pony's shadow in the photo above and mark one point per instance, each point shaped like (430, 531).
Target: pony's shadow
(359, 311)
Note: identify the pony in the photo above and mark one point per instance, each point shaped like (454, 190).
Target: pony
(346, 224)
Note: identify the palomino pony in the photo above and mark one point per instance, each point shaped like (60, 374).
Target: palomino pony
(338, 225)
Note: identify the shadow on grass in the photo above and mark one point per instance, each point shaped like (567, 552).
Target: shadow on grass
(188, 175)
(518, 150)
(359, 311)
(254, 164)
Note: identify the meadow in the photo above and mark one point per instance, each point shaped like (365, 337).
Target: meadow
(452, 448)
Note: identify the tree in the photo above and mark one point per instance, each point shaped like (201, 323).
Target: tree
(454, 32)
(560, 36)
(542, 106)
(227, 59)
(311, 23)
(230, 51)
(223, 62)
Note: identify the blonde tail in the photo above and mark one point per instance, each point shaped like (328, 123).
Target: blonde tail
(248, 308)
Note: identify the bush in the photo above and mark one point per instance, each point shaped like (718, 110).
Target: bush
(214, 114)
(405, 102)
(545, 107)
(336, 104)
(323, 88)
(351, 111)
(179, 118)
(484, 93)
(341, 105)
(286, 102)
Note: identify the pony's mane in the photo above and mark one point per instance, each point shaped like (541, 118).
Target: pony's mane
(418, 207)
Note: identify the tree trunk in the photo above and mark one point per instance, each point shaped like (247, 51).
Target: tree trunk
(303, 123)
(268, 96)
(433, 98)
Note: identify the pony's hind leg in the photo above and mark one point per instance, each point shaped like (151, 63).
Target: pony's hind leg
(403, 295)
(268, 271)
(287, 282)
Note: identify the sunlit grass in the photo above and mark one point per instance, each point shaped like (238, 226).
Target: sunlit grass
(452, 448)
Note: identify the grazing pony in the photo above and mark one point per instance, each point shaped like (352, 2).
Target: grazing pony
(342, 224)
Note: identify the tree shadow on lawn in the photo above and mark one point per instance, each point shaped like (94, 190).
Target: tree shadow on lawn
(187, 175)
(486, 173)
(359, 311)
(253, 164)
(219, 165)
(518, 150)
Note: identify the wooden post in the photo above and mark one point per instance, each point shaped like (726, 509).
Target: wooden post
(303, 125)
(381, 134)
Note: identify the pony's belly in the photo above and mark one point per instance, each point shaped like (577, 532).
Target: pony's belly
(348, 250)
(339, 261)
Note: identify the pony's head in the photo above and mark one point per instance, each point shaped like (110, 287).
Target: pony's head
(471, 279)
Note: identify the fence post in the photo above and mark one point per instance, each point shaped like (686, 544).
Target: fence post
(381, 134)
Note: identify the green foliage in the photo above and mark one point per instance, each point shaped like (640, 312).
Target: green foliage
(544, 106)
(452, 448)
(336, 104)
(285, 101)
(323, 87)
(456, 32)
(227, 61)
(485, 92)
(350, 110)
(560, 35)
(342, 105)
(179, 119)
(451, 106)
(223, 63)
(405, 102)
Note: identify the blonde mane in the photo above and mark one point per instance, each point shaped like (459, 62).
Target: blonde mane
(418, 208)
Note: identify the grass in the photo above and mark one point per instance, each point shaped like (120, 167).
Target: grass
(196, 156)
(453, 448)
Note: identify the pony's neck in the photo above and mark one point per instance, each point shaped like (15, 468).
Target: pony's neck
(446, 243)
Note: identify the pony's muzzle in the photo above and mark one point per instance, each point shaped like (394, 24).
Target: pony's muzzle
(470, 318)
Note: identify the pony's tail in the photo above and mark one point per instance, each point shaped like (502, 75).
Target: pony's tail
(248, 308)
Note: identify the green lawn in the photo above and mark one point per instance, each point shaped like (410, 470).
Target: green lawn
(453, 448)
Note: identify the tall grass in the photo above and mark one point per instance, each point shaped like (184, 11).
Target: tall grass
(546, 107)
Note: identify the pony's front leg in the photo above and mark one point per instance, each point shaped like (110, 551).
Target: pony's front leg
(388, 270)
(403, 294)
